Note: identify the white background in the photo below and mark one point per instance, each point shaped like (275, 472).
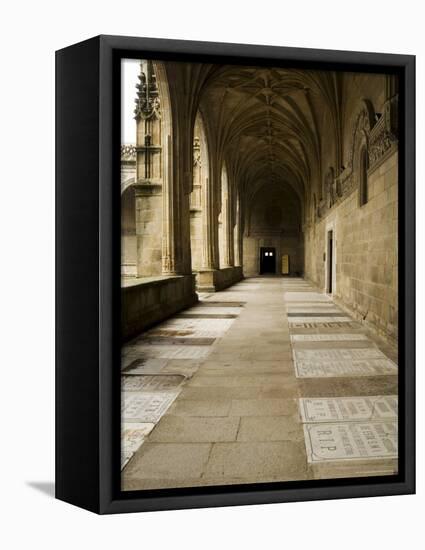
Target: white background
(30, 32)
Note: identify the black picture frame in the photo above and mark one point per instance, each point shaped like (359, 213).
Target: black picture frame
(87, 293)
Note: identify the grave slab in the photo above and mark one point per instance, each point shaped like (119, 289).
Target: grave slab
(313, 410)
(350, 441)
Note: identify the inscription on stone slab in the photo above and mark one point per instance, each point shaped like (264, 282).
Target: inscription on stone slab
(145, 406)
(327, 337)
(132, 437)
(356, 367)
(350, 440)
(323, 325)
(160, 383)
(337, 354)
(348, 408)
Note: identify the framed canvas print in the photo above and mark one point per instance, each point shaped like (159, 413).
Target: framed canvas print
(235, 274)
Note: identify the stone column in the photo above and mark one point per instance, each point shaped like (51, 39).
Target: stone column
(227, 222)
(169, 205)
(210, 258)
(148, 186)
(228, 246)
(238, 236)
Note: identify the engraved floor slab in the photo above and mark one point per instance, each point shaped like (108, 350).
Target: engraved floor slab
(323, 324)
(145, 406)
(350, 441)
(358, 367)
(327, 337)
(337, 354)
(161, 383)
(132, 437)
(348, 408)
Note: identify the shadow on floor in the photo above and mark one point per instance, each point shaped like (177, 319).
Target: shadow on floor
(46, 487)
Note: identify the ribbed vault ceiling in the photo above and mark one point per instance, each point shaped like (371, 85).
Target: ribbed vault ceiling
(265, 122)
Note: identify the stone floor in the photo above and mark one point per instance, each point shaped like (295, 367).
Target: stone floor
(266, 381)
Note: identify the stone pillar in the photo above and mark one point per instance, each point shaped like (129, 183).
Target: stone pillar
(169, 263)
(210, 258)
(227, 251)
(238, 235)
(228, 246)
(196, 237)
(148, 186)
(148, 198)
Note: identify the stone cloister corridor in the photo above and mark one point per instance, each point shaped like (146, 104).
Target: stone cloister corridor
(254, 393)
(259, 264)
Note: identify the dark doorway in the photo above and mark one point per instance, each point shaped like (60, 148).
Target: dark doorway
(330, 261)
(267, 260)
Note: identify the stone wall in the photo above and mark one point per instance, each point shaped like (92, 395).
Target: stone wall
(218, 279)
(147, 301)
(366, 251)
(284, 245)
(274, 220)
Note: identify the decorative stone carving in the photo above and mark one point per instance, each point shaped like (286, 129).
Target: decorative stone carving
(383, 136)
(147, 100)
(379, 134)
(197, 161)
(128, 152)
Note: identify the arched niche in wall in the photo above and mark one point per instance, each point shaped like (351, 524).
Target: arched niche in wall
(363, 177)
(359, 153)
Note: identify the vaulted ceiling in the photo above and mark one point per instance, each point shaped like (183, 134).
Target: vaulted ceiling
(266, 122)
